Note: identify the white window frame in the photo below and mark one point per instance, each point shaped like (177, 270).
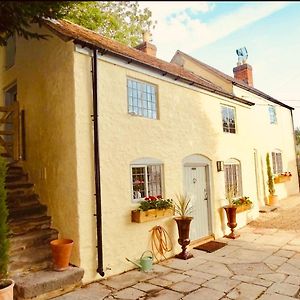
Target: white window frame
(224, 106)
(272, 114)
(234, 162)
(145, 163)
(277, 161)
(143, 104)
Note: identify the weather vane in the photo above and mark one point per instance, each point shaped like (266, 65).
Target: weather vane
(242, 55)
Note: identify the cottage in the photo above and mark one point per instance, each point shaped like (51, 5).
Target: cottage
(103, 125)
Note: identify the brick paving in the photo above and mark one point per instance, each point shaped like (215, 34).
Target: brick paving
(263, 263)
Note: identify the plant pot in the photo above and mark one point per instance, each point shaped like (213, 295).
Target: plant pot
(231, 218)
(183, 225)
(6, 289)
(273, 200)
(139, 216)
(61, 253)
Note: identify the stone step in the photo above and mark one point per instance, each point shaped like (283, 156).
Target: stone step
(14, 169)
(16, 177)
(47, 284)
(30, 259)
(18, 185)
(27, 211)
(22, 200)
(19, 192)
(26, 225)
(31, 239)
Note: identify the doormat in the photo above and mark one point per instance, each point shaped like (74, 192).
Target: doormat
(211, 246)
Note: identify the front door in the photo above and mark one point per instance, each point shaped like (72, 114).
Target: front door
(196, 187)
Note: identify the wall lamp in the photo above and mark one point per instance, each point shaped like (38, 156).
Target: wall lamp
(220, 165)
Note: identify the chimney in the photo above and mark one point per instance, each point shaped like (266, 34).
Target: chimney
(244, 73)
(146, 46)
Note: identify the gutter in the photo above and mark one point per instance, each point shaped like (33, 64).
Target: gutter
(97, 165)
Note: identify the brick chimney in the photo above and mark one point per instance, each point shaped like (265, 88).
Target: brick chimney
(244, 73)
(146, 46)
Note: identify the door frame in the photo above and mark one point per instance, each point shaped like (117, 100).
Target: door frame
(199, 160)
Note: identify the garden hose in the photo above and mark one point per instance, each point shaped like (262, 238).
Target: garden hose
(160, 241)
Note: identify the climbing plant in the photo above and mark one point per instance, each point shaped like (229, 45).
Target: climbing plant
(270, 176)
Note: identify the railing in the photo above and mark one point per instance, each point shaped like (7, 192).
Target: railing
(10, 131)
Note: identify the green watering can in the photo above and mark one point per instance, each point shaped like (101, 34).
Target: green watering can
(145, 262)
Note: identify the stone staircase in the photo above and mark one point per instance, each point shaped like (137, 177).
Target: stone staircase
(30, 235)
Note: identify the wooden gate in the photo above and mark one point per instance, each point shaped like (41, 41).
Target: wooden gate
(10, 131)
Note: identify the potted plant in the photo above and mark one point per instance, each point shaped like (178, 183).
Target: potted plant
(6, 285)
(273, 199)
(183, 220)
(151, 208)
(230, 210)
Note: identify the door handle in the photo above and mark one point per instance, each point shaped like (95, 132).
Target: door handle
(205, 195)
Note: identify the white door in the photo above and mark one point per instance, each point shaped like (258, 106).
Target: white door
(197, 189)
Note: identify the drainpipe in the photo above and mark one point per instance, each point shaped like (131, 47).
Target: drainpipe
(97, 165)
(295, 147)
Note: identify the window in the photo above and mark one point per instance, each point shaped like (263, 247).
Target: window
(142, 99)
(228, 118)
(272, 114)
(277, 162)
(233, 177)
(146, 178)
(10, 52)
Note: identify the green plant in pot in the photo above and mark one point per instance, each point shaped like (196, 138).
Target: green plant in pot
(273, 199)
(183, 209)
(6, 285)
(230, 210)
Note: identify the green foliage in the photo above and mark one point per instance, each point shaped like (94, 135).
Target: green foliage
(270, 176)
(123, 21)
(3, 221)
(120, 20)
(155, 203)
(242, 201)
(183, 206)
(230, 193)
(16, 16)
(297, 136)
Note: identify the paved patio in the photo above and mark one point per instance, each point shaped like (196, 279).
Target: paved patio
(263, 263)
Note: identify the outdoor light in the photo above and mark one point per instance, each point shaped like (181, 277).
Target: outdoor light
(220, 165)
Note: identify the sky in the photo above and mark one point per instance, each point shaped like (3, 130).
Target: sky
(212, 31)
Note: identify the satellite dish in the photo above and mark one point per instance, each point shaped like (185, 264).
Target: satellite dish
(242, 54)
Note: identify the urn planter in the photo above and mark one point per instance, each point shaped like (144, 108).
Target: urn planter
(183, 225)
(231, 220)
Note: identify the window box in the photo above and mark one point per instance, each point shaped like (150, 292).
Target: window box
(243, 207)
(140, 216)
(281, 179)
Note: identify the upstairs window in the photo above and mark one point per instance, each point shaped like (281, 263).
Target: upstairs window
(272, 114)
(146, 179)
(228, 119)
(10, 52)
(277, 162)
(232, 171)
(142, 99)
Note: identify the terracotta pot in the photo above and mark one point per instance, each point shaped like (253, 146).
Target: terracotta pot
(7, 293)
(273, 200)
(61, 253)
(183, 225)
(231, 218)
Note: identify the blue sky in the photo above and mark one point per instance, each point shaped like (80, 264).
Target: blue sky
(212, 31)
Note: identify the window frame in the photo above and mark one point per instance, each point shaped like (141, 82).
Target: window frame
(235, 118)
(235, 162)
(272, 114)
(145, 166)
(277, 164)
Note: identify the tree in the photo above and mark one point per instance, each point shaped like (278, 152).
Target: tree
(120, 20)
(16, 16)
(123, 21)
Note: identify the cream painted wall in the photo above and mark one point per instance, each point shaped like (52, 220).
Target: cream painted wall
(189, 123)
(44, 75)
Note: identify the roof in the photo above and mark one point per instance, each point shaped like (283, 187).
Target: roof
(234, 81)
(80, 35)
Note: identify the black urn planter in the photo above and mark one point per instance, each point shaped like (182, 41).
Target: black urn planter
(183, 225)
(231, 218)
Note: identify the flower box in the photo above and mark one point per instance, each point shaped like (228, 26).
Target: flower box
(140, 216)
(243, 207)
(281, 179)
